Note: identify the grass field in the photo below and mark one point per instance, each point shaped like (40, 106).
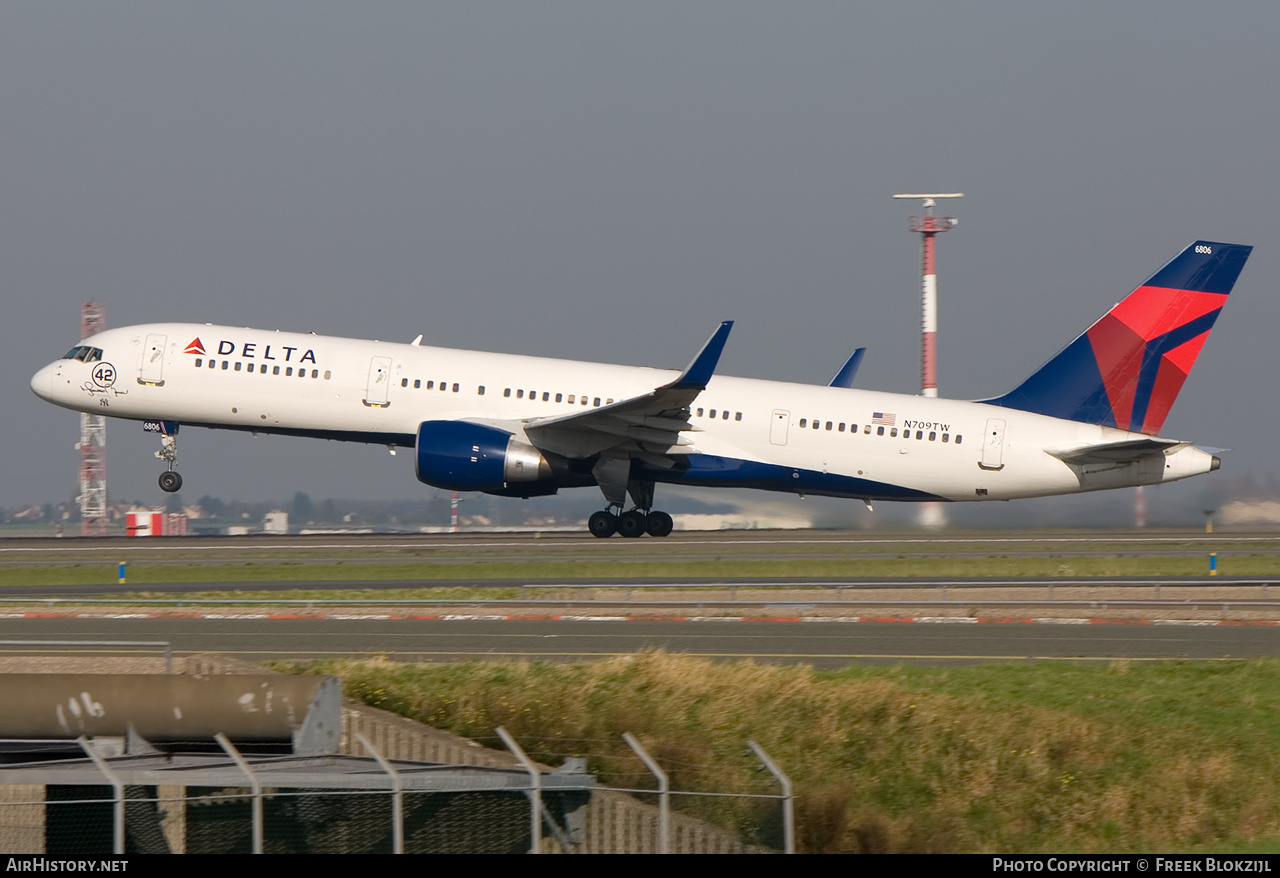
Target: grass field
(1177, 756)
(142, 573)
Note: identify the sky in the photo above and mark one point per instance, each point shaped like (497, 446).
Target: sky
(608, 181)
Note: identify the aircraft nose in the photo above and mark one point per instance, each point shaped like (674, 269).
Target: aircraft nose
(42, 383)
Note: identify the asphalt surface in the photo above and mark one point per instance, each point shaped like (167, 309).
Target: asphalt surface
(823, 644)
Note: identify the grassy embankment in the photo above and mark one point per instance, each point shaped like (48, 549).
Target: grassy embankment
(1014, 758)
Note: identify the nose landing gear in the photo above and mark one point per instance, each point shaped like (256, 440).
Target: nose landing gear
(170, 480)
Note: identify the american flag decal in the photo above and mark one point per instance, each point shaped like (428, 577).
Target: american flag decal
(888, 419)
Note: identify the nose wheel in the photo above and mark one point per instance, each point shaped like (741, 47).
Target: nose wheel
(170, 481)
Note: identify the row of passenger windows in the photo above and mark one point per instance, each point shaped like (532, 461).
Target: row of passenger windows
(443, 386)
(724, 414)
(547, 396)
(880, 431)
(261, 368)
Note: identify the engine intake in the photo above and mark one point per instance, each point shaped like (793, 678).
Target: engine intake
(461, 456)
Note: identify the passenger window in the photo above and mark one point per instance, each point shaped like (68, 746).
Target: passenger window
(737, 416)
(919, 434)
(212, 364)
(238, 365)
(507, 392)
(519, 394)
(288, 371)
(315, 373)
(879, 431)
(893, 432)
(597, 402)
(804, 422)
(199, 362)
(546, 396)
(933, 436)
(584, 400)
(945, 437)
(959, 438)
(713, 414)
(404, 382)
(571, 399)
(867, 429)
(829, 425)
(275, 370)
(816, 424)
(417, 382)
(841, 430)
(455, 387)
(699, 412)
(327, 374)
(480, 390)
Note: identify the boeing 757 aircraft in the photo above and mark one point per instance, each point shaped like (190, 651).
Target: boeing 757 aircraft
(521, 426)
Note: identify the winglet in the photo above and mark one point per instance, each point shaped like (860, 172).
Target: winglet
(844, 378)
(699, 371)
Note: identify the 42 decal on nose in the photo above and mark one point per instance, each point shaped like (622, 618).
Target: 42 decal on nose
(104, 375)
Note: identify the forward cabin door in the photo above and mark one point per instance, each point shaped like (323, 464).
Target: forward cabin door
(778, 427)
(993, 444)
(379, 385)
(152, 370)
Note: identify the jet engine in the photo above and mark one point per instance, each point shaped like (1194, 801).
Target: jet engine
(463, 456)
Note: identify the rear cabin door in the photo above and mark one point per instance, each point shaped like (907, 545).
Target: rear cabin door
(993, 444)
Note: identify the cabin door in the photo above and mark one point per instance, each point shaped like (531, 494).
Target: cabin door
(377, 390)
(152, 370)
(993, 445)
(778, 428)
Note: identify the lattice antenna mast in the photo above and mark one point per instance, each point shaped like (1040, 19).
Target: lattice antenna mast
(93, 444)
(928, 226)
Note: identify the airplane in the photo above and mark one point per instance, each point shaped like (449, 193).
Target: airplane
(522, 426)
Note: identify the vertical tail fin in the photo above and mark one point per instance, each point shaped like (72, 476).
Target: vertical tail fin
(1126, 370)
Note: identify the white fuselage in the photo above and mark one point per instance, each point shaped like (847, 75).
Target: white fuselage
(764, 434)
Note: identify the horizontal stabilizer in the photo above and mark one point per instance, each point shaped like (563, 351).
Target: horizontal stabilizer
(1127, 451)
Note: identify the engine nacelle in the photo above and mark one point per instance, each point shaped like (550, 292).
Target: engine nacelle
(461, 456)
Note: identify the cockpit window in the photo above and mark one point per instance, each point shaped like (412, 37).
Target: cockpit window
(84, 354)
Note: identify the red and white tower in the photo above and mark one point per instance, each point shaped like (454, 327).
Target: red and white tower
(929, 226)
(93, 444)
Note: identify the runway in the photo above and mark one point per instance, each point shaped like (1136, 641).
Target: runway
(960, 639)
(822, 644)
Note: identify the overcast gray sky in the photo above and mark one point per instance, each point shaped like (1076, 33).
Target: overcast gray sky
(607, 181)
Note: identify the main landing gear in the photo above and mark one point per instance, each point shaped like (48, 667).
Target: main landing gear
(630, 524)
(613, 475)
(170, 480)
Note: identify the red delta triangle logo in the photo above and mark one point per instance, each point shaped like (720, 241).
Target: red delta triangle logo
(195, 347)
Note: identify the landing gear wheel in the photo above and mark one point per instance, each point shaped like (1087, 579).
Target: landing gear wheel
(632, 524)
(659, 524)
(170, 482)
(602, 524)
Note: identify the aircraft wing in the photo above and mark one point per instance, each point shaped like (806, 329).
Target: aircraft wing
(646, 426)
(1126, 451)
